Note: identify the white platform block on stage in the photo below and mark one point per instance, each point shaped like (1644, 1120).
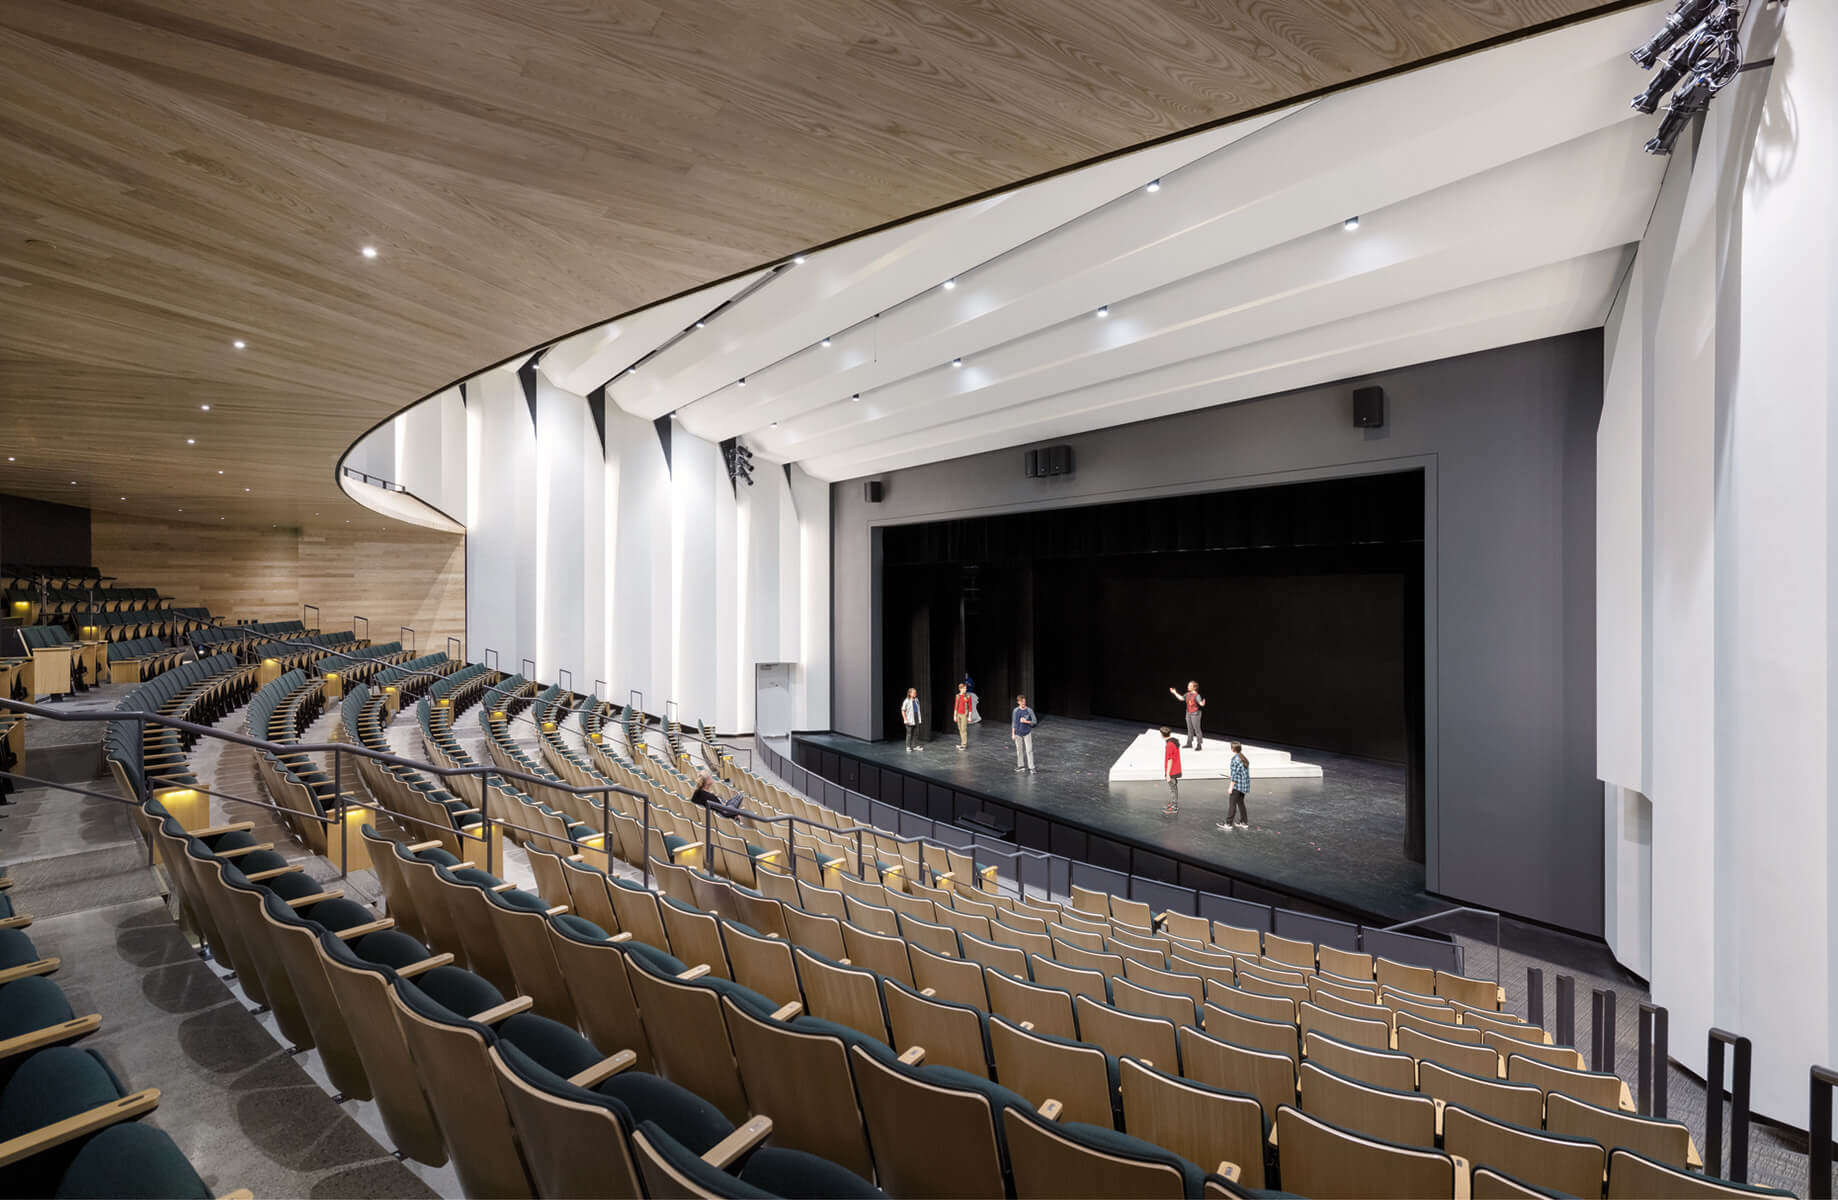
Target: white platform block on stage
(1143, 761)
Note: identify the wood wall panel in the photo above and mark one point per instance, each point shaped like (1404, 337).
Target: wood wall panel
(410, 577)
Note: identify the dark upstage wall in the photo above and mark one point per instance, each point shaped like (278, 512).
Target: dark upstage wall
(1299, 608)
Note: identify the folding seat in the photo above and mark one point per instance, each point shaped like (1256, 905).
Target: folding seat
(797, 1072)
(1042, 1067)
(1207, 964)
(1048, 1010)
(1250, 980)
(1356, 1030)
(129, 1160)
(1633, 1176)
(761, 963)
(954, 1035)
(1483, 1061)
(758, 912)
(672, 1169)
(939, 939)
(1076, 980)
(1290, 951)
(1566, 1164)
(594, 967)
(1237, 940)
(1088, 900)
(1170, 981)
(1265, 1074)
(637, 910)
(1172, 1006)
(1406, 1019)
(295, 935)
(822, 902)
(910, 905)
(913, 1112)
(874, 918)
(1351, 991)
(694, 936)
(1021, 921)
(1591, 1087)
(952, 979)
(1320, 1160)
(1406, 1118)
(1517, 1103)
(1277, 1037)
(429, 895)
(34, 1013)
(820, 934)
(1668, 1142)
(1335, 1003)
(362, 985)
(1187, 927)
(470, 895)
(1488, 1184)
(845, 995)
(1201, 1123)
(878, 953)
(20, 959)
(1504, 1023)
(587, 894)
(1011, 959)
(1564, 1058)
(681, 1010)
(55, 1098)
(1479, 993)
(713, 895)
(238, 904)
(550, 883)
(1050, 1160)
(1381, 1068)
(780, 887)
(963, 922)
(1125, 1033)
(1083, 939)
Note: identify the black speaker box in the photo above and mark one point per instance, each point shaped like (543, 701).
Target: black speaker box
(1369, 407)
(873, 491)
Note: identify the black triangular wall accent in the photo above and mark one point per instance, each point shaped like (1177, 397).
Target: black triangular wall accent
(526, 375)
(462, 393)
(662, 425)
(727, 461)
(789, 490)
(596, 404)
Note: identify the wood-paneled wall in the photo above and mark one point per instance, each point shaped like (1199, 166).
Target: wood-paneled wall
(401, 577)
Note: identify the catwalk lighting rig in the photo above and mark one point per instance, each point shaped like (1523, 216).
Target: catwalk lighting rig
(739, 462)
(1698, 50)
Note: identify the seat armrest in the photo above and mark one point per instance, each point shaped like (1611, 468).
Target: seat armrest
(789, 1011)
(418, 847)
(1464, 1178)
(1050, 1110)
(604, 1069)
(239, 851)
(427, 964)
(50, 1035)
(258, 876)
(509, 1008)
(18, 922)
(315, 898)
(43, 966)
(557, 911)
(730, 1148)
(694, 973)
(913, 1056)
(1229, 1171)
(358, 931)
(232, 827)
(83, 1124)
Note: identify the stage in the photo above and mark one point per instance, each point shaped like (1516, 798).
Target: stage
(1335, 840)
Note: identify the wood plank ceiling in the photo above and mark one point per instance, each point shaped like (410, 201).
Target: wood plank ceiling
(177, 175)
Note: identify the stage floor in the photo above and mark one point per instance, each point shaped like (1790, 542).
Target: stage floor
(1339, 836)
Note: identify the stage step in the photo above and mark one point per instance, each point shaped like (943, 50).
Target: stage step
(1142, 761)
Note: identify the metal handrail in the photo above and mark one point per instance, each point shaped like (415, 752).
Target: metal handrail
(1449, 912)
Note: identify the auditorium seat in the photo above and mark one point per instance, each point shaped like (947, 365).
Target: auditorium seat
(672, 1169)
(1404, 1117)
(1048, 1010)
(1200, 1123)
(1050, 1159)
(1323, 1161)
(797, 1070)
(1633, 1176)
(1668, 1142)
(1591, 1087)
(954, 1035)
(1271, 1077)
(1380, 1068)
(962, 1153)
(55, 1099)
(1042, 1067)
(1565, 1164)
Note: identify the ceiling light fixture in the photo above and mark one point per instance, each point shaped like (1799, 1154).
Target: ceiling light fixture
(855, 399)
(239, 343)
(825, 343)
(220, 472)
(701, 324)
(957, 362)
(633, 370)
(193, 442)
(204, 408)
(798, 261)
(245, 489)
(369, 252)
(948, 285)
(73, 483)
(1155, 185)
(742, 382)
(1350, 224)
(1104, 310)
(775, 425)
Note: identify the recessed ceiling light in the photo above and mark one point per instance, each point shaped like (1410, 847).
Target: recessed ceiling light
(957, 362)
(245, 489)
(798, 261)
(220, 472)
(949, 284)
(701, 324)
(73, 483)
(9, 458)
(631, 370)
(369, 252)
(775, 425)
(1155, 185)
(743, 381)
(856, 398)
(825, 342)
(239, 344)
(1104, 310)
(194, 442)
(204, 408)
(181, 510)
(1350, 224)
(220, 518)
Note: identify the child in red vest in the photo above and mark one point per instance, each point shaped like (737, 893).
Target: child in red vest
(1171, 768)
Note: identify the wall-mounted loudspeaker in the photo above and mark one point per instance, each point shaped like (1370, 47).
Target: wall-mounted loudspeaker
(1048, 460)
(873, 491)
(1369, 407)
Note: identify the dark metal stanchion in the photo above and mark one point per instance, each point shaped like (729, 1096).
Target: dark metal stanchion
(1739, 1107)
(344, 826)
(1819, 1129)
(1565, 1033)
(485, 819)
(1653, 1060)
(1534, 996)
(1602, 1030)
(644, 809)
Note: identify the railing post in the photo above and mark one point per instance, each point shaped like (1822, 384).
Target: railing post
(1565, 1033)
(1739, 1107)
(1602, 1030)
(644, 835)
(485, 817)
(860, 870)
(410, 630)
(1534, 996)
(314, 609)
(1819, 1129)
(344, 826)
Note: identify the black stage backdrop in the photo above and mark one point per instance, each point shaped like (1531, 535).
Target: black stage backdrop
(1298, 607)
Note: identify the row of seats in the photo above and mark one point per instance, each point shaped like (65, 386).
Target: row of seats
(202, 692)
(135, 660)
(420, 804)
(68, 1124)
(239, 639)
(121, 624)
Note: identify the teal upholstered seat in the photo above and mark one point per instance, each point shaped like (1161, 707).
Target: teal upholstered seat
(130, 1162)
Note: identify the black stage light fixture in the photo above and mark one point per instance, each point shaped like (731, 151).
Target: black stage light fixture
(1684, 106)
(1676, 66)
(1678, 22)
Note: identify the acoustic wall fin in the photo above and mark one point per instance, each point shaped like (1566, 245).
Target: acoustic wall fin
(462, 387)
(596, 404)
(662, 425)
(526, 376)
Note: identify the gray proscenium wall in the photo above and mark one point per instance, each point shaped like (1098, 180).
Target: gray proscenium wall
(1506, 440)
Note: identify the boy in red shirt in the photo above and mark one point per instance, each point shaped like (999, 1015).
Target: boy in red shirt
(960, 712)
(1171, 768)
